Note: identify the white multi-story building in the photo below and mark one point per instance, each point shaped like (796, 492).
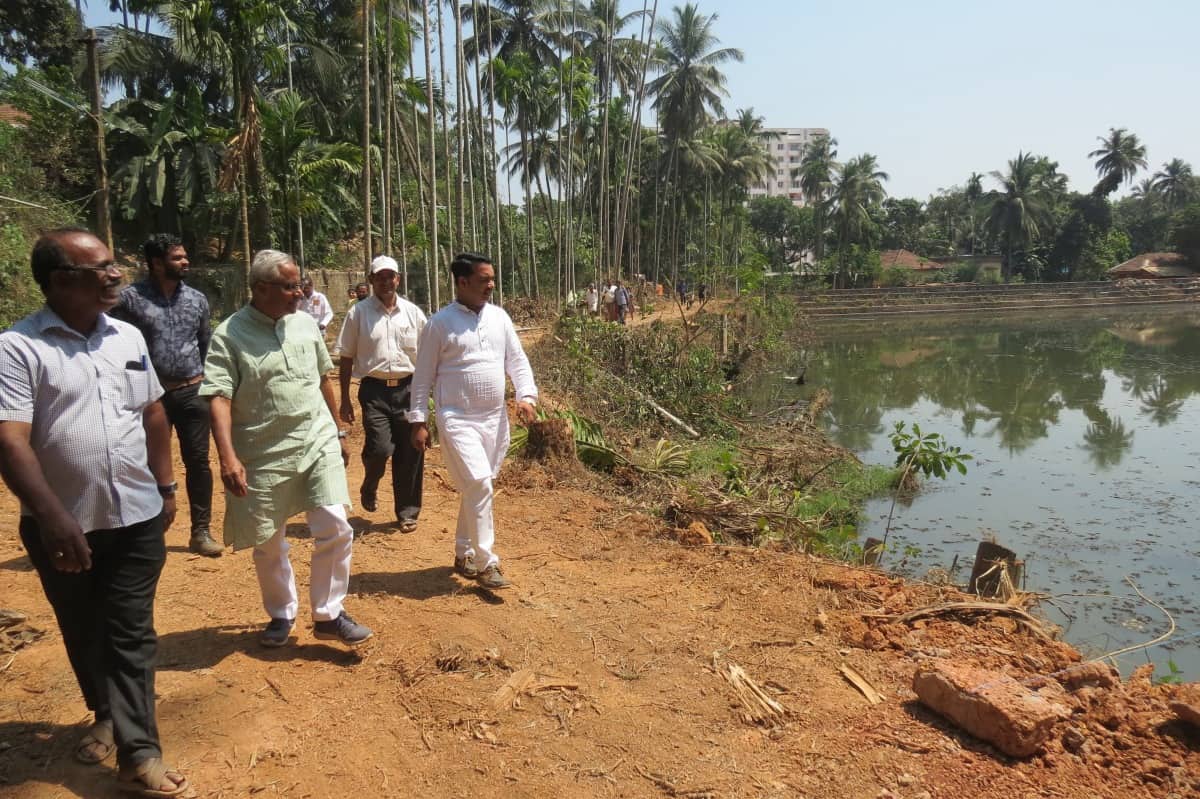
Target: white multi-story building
(786, 146)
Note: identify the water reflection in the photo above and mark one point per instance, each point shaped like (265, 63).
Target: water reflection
(1012, 385)
(1086, 439)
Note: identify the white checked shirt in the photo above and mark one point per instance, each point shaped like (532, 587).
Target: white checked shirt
(382, 343)
(84, 398)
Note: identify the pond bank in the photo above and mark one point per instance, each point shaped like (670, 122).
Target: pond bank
(831, 306)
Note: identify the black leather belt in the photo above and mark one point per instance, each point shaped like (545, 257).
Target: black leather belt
(390, 382)
(172, 385)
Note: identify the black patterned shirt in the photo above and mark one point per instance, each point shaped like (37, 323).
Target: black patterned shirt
(177, 330)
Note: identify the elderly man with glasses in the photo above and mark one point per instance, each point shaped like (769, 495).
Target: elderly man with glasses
(273, 411)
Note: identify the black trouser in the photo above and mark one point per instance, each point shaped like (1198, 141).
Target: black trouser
(106, 616)
(384, 415)
(188, 413)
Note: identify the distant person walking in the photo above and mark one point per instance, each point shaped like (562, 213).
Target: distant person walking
(593, 300)
(360, 293)
(609, 302)
(378, 345)
(173, 317)
(273, 412)
(86, 446)
(622, 301)
(466, 350)
(316, 305)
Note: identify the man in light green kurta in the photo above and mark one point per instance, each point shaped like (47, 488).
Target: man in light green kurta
(273, 420)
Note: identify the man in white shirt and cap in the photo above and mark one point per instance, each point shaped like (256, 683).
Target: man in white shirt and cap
(466, 349)
(378, 345)
(316, 304)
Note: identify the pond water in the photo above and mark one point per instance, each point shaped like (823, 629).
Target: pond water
(1085, 434)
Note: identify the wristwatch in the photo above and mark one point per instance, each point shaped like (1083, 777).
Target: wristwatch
(167, 490)
(343, 433)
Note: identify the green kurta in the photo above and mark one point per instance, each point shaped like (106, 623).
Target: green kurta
(283, 432)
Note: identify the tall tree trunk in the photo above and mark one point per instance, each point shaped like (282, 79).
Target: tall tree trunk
(631, 159)
(389, 92)
(366, 135)
(532, 281)
(452, 236)
(434, 251)
(493, 161)
(460, 79)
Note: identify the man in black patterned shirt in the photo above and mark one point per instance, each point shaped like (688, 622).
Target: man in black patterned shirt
(174, 320)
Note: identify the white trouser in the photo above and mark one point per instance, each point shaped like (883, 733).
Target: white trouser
(476, 534)
(329, 577)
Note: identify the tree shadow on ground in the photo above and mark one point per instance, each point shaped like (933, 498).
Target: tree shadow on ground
(419, 584)
(43, 753)
(188, 650)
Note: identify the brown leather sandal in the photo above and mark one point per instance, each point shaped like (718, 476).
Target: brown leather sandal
(148, 777)
(97, 743)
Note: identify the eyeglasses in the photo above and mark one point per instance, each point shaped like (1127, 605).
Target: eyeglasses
(104, 269)
(290, 287)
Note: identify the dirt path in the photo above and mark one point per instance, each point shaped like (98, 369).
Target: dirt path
(622, 634)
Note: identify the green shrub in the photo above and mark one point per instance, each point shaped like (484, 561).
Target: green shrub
(897, 277)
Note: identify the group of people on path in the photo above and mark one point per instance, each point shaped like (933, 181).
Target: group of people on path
(92, 383)
(612, 303)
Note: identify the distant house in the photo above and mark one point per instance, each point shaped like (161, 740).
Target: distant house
(1153, 265)
(12, 116)
(903, 259)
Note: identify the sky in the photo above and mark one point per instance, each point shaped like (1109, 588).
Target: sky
(938, 89)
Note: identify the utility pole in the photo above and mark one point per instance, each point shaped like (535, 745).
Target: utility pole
(103, 218)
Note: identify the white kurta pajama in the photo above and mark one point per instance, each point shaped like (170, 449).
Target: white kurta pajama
(463, 359)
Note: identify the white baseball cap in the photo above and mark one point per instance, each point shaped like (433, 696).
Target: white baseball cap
(383, 263)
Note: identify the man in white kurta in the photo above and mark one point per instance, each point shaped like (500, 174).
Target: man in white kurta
(466, 350)
(272, 407)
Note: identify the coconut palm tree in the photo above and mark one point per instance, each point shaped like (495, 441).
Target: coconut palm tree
(1020, 209)
(1175, 183)
(506, 27)
(744, 161)
(1118, 159)
(857, 190)
(691, 85)
(818, 165)
(685, 96)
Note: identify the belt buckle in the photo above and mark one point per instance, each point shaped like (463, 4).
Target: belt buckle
(392, 382)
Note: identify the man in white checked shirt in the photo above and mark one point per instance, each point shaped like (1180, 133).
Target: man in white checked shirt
(85, 445)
